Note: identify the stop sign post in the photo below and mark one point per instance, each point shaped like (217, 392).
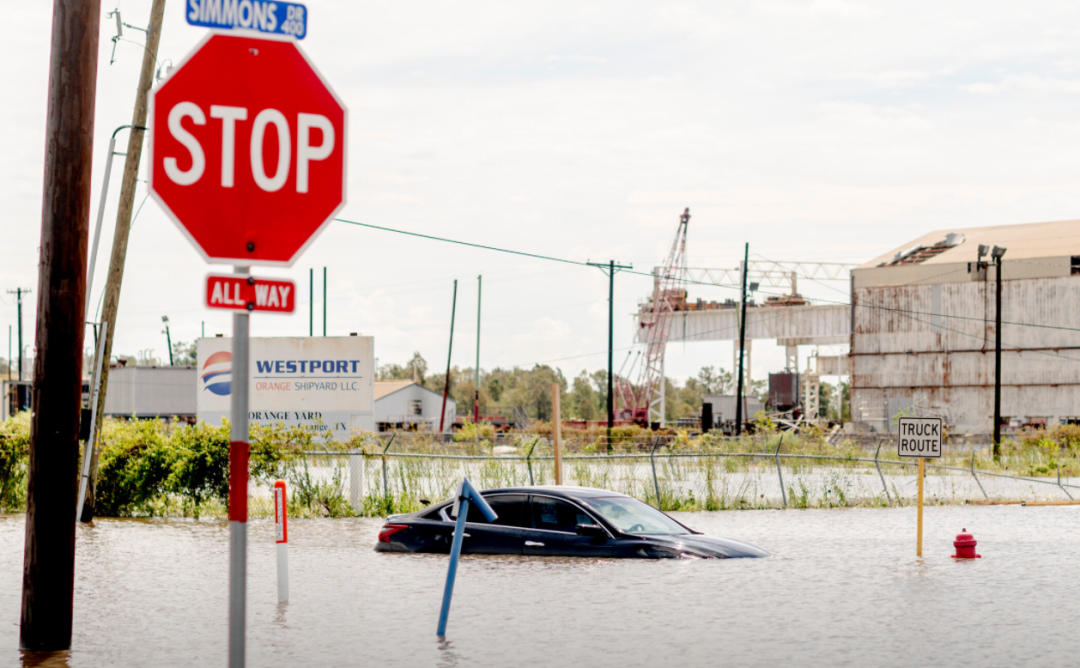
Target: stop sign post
(248, 158)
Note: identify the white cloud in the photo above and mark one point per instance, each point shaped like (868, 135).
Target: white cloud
(825, 130)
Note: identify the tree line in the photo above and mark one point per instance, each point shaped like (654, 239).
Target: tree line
(584, 397)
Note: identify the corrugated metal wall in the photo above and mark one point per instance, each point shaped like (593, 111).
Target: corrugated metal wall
(934, 344)
(151, 391)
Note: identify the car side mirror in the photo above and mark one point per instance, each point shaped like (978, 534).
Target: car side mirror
(591, 530)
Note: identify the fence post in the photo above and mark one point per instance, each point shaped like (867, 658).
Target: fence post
(979, 483)
(880, 474)
(783, 494)
(655, 480)
(385, 485)
(528, 460)
(356, 480)
(1059, 483)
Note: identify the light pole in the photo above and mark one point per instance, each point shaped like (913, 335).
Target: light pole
(168, 338)
(101, 209)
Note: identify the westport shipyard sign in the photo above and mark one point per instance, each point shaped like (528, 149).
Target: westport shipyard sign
(323, 384)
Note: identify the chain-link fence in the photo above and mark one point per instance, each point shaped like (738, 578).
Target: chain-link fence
(358, 483)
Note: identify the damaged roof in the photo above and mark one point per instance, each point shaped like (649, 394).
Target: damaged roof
(1023, 241)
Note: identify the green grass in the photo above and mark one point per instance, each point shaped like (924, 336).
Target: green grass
(151, 469)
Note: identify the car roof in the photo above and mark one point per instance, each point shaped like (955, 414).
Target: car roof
(569, 491)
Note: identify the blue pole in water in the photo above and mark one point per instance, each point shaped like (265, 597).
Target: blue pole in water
(451, 573)
(465, 493)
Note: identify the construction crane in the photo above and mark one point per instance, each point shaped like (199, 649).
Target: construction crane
(648, 393)
(773, 274)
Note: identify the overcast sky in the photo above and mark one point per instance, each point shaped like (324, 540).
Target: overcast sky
(820, 131)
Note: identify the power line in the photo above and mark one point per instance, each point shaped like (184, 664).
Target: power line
(692, 282)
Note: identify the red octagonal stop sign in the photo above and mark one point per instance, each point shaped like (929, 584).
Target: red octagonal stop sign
(248, 149)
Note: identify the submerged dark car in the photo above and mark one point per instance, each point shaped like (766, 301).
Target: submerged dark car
(558, 521)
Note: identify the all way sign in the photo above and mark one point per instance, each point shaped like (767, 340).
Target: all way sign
(919, 437)
(247, 293)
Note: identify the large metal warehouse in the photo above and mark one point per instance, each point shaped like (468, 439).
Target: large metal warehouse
(923, 337)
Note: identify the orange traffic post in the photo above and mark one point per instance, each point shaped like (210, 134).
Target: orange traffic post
(281, 535)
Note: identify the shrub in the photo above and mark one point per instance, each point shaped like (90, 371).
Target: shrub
(134, 467)
(472, 431)
(14, 452)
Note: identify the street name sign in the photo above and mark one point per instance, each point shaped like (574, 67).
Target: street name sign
(919, 437)
(248, 149)
(281, 18)
(247, 293)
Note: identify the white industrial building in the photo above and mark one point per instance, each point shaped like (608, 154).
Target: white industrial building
(923, 333)
(405, 404)
(150, 392)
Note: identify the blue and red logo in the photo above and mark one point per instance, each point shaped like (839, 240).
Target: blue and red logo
(217, 373)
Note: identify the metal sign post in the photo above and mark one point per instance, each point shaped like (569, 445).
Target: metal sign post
(238, 487)
(919, 438)
(465, 493)
(209, 172)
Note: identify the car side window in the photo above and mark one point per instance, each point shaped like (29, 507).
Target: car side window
(434, 514)
(508, 507)
(555, 515)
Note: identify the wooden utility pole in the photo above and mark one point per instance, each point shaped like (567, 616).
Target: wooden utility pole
(449, 356)
(123, 227)
(49, 561)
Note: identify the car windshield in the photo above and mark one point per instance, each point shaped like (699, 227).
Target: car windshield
(632, 516)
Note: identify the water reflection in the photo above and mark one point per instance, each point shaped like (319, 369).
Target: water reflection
(448, 658)
(45, 659)
(842, 584)
(279, 614)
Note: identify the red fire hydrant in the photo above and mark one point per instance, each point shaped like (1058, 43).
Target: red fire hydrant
(965, 546)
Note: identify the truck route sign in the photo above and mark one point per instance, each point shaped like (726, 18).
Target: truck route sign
(919, 437)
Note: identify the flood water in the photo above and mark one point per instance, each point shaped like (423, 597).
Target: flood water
(843, 588)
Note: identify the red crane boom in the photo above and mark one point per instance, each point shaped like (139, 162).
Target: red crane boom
(667, 290)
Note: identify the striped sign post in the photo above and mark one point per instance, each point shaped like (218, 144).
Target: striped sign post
(281, 535)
